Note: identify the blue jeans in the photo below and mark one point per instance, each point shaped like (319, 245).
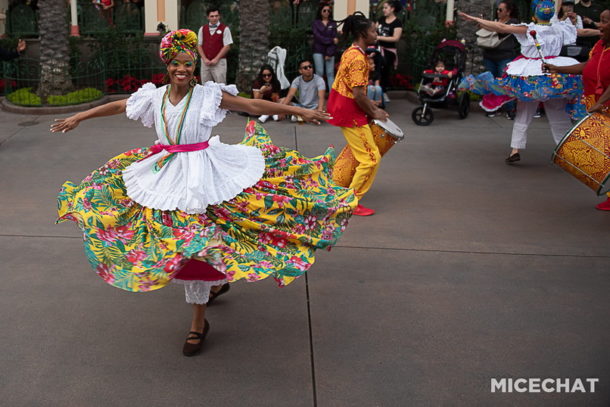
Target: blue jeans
(497, 70)
(325, 65)
(375, 93)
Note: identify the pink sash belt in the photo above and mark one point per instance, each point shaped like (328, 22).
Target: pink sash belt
(179, 148)
(172, 149)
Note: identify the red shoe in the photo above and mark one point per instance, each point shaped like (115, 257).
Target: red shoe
(363, 211)
(604, 206)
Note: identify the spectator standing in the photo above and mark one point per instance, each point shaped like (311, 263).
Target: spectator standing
(7, 55)
(310, 88)
(325, 43)
(389, 31)
(105, 8)
(566, 13)
(496, 59)
(589, 11)
(213, 43)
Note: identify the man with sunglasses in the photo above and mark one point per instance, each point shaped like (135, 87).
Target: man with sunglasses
(310, 87)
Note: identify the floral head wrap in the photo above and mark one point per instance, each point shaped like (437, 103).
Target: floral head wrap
(178, 41)
(545, 10)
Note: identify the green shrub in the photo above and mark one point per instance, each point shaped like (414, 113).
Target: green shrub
(76, 97)
(24, 97)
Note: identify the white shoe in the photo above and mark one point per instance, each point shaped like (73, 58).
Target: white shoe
(293, 118)
(276, 117)
(263, 118)
(386, 98)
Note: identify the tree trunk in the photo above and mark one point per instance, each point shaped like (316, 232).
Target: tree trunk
(466, 30)
(54, 49)
(254, 40)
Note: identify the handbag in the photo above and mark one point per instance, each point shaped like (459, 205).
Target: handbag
(489, 39)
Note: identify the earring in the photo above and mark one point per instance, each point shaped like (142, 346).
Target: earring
(193, 82)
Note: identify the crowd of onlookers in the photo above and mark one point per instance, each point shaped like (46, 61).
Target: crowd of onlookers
(316, 74)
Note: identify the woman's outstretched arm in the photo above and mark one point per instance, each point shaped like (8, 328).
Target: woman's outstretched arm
(495, 25)
(259, 106)
(107, 109)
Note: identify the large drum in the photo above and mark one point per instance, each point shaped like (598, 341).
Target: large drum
(385, 134)
(585, 152)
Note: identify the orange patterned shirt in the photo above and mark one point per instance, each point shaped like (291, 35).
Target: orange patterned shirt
(353, 71)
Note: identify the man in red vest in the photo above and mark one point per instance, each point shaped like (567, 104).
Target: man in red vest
(214, 42)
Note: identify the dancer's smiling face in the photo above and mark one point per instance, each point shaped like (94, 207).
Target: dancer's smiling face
(181, 69)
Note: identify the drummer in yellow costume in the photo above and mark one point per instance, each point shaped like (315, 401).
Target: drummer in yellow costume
(596, 80)
(349, 105)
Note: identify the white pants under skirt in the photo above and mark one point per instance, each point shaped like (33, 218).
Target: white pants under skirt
(558, 119)
(198, 291)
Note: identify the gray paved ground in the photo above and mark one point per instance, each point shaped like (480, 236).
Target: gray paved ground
(470, 270)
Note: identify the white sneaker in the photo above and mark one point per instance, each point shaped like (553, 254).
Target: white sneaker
(263, 118)
(293, 118)
(386, 98)
(276, 117)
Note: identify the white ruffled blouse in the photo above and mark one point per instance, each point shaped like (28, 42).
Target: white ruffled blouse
(551, 38)
(190, 181)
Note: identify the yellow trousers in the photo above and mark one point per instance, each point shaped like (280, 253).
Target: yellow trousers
(366, 152)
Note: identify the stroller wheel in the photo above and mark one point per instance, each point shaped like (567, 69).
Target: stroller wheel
(463, 105)
(421, 117)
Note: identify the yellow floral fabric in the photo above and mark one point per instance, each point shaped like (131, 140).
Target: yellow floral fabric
(271, 229)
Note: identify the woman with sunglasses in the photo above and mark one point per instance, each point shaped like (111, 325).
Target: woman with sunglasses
(266, 87)
(325, 43)
(496, 59)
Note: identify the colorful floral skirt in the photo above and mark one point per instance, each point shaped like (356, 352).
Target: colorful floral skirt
(527, 88)
(270, 229)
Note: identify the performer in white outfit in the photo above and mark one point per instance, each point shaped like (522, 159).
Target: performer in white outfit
(525, 80)
(195, 210)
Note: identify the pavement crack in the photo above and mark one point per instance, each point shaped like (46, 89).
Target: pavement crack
(409, 249)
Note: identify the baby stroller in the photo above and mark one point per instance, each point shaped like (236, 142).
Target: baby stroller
(453, 54)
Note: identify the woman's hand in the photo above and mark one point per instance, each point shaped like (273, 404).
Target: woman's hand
(550, 68)
(314, 116)
(21, 46)
(466, 16)
(64, 125)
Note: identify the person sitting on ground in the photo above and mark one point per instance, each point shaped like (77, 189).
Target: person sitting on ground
(375, 92)
(267, 87)
(7, 55)
(310, 87)
(439, 83)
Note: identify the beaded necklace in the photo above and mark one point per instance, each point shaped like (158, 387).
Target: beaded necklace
(161, 162)
(182, 116)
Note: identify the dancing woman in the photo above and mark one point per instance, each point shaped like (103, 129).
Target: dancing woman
(246, 211)
(525, 80)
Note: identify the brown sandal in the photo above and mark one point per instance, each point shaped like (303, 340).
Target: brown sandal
(191, 349)
(214, 294)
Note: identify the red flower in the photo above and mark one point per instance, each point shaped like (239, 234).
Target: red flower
(167, 219)
(136, 256)
(183, 233)
(298, 263)
(105, 272)
(173, 264)
(111, 234)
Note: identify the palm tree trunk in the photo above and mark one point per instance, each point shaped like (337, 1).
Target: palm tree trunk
(54, 49)
(466, 30)
(254, 40)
